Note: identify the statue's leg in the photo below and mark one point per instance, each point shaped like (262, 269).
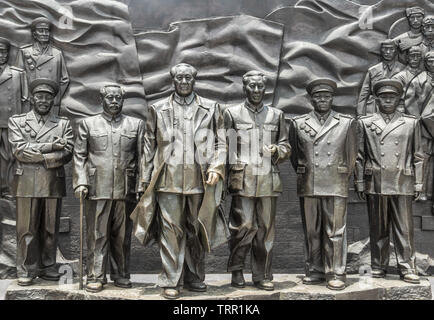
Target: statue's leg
(243, 227)
(335, 237)
(379, 230)
(403, 233)
(172, 238)
(262, 246)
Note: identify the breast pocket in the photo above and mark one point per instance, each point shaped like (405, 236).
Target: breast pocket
(128, 141)
(270, 133)
(98, 141)
(243, 132)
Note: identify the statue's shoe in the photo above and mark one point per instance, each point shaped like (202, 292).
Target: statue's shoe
(238, 279)
(411, 278)
(309, 280)
(336, 284)
(50, 275)
(171, 293)
(378, 273)
(94, 287)
(195, 286)
(25, 281)
(123, 283)
(264, 285)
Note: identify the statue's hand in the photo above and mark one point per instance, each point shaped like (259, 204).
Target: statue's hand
(59, 144)
(417, 195)
(34, 156)
(361, 195)
(213, 178)
(81, 191)
(270, 150)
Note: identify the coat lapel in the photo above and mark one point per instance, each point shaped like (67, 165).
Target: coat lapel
(6, 75)
(32, 122)
(312, 123)
(200, 114)
(332, 121)
(392, 125)
(44, 58)
(51, 123)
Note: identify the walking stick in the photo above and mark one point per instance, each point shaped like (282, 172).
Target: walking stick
(80, 282)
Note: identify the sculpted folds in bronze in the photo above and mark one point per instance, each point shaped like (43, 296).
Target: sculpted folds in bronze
(258, 142)
(107, 158)
(42, 144)
(324, 153)
(389, 172)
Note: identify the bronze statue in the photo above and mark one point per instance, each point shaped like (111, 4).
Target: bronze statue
(42, 144)
(387, 68)
(185, 153)
(389, 171)
(414, 36)
(42, 60)
(13, 100)
(413, 68)
(106, 171)
(254, 180)
(324, 149)
(428, 34)
(418, 95)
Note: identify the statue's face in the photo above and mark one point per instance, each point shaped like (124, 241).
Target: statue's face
(42, 102)
(42, 34)
(414, 59)
(429, 64)
(322, 101)
(4, 53)
(388, 52)
(428, 31)
(183, 81)
(388, 102)
(255, 89)
(113, 100)
(415, 20)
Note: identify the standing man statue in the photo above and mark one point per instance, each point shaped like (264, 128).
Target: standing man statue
(387, 68)
(42, 144)
(418, 96)
(324, 149)
(185, 153)
(42, 60)
(107, 155)
(389, 171)
(413, 68)
(13, 100)
(254, 180)
(414, 36)
(428, 35)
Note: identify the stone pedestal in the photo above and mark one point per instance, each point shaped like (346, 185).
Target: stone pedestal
(8, 240)
(287, 287)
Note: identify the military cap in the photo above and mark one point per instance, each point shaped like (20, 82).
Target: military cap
(5, 41)
(322, 84)
(388, 86)
(43, 84)
(414, 10)
(41, 21)
(388, 42)
(428, 20)
(415, 49)
(429, 54)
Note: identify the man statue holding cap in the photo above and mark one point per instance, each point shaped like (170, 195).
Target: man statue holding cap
(428, 34)
(106, 171)
(42, 60)
(417, 100)
(42, 144)
(389, 171)
(387, 68)
(13, 100)
(324, 149)
(414, 36)
(258, 143)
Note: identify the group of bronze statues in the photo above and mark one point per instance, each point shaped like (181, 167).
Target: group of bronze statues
(165, 178)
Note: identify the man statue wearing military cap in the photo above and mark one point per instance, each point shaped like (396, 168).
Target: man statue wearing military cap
(414, 36)
(258, 142)
(106, 171)
(428, 34)
(389, 171)
(42, 144)
(324, 149)
(417, 99)
(13, 100)
(387, 68)
(42, 60)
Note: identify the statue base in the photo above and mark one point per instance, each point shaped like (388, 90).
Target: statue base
(287, 287)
